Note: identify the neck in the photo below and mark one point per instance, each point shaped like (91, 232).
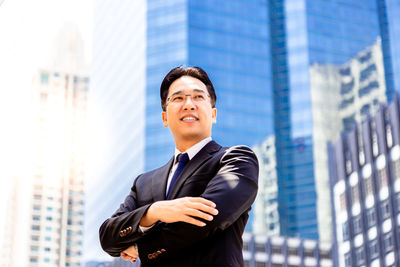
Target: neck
(184, 145)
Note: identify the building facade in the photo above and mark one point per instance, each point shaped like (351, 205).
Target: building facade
(365, 178)
(277, 251)
(264, 218)
(46, 209)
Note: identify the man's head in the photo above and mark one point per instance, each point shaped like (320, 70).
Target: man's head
(176, 73)
(188, 101)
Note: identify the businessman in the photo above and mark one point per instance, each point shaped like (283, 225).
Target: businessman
(193, 210)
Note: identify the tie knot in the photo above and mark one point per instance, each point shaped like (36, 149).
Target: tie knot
(182, 158)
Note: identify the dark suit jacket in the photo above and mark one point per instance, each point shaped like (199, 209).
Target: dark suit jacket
(226, 176)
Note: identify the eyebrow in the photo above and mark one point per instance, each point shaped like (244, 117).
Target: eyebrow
(181, 92)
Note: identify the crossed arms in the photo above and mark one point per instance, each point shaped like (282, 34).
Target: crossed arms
(187, 220)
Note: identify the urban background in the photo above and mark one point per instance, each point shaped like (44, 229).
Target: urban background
(311, 85)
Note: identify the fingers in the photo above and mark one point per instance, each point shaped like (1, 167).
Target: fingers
(193, 221)
(203, 201)
(126, 257)
(204, 208)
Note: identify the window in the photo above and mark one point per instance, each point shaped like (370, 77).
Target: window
(371, 218)
(33, 259)
(385, 209)
(260, 247)
(34, 248)
(357, 224)
(261, 264)
(47, 249)
(347, 260)
(373, 249)
(354, 194)
(388, 242)
(382, 178)
(36, 227)
(345, 230)
(34, 238)
(276, 249)
(359, 256)
(343, 201)
(368, 186)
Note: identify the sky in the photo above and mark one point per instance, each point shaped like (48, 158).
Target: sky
(27, 32)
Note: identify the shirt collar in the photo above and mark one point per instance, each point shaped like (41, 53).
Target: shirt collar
(192, 151)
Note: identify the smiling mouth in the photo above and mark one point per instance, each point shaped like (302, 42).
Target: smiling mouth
(189, 118)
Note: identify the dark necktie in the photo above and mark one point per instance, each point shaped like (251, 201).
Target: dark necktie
(182, 159)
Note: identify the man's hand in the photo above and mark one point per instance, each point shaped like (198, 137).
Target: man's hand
(130, 254)
(180, 210)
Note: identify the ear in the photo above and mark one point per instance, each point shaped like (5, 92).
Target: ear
(164, 118)
(214, 115)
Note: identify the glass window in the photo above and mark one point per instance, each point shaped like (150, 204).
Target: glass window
(345, 230)
(368, 186)
(354, 194)
(382, 178)
(388, 242)
(373, 249)
(347, 260)
(359, 256)
(357, 224)
(385, 209)
(260, 247)
(371, 218)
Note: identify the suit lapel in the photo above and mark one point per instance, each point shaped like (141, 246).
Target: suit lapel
(159, 181)
(204, 154)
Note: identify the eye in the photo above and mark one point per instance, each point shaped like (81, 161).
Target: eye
(177, 98)
(199, 97)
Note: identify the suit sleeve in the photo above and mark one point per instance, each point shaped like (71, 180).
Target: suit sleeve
(121, 230)
(233, 189)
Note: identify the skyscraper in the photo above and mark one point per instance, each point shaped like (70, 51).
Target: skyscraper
(265, 59)
(365, 177)
(132, 54)
(305, 34)
(46, 211)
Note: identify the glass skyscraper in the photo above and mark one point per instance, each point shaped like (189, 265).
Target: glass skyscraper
(305, 33)
(231, 42)
(261, 56)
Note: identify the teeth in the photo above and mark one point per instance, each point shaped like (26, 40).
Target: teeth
(189, 119)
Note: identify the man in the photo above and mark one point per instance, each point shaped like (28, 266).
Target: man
(193, 210)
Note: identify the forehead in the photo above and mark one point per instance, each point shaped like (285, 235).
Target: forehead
(186, 83)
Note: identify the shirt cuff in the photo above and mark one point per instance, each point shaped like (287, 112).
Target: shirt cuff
(144, 229)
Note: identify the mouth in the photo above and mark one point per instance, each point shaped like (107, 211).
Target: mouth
(189, 118)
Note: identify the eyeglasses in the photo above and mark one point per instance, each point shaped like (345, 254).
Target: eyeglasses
(197, 96)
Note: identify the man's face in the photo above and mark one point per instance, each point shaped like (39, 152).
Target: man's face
(189, 113)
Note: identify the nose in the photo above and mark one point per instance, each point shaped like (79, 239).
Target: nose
(188, 103)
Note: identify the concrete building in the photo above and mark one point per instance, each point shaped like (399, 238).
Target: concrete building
(265, 216)
(277, 251)
(46, 209)
(365, 179)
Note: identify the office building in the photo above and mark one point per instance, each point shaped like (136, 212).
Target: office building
(46, 209)
(261, 56)
(132, 54)
(365, 179)
(277, 251)
(264, 218)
